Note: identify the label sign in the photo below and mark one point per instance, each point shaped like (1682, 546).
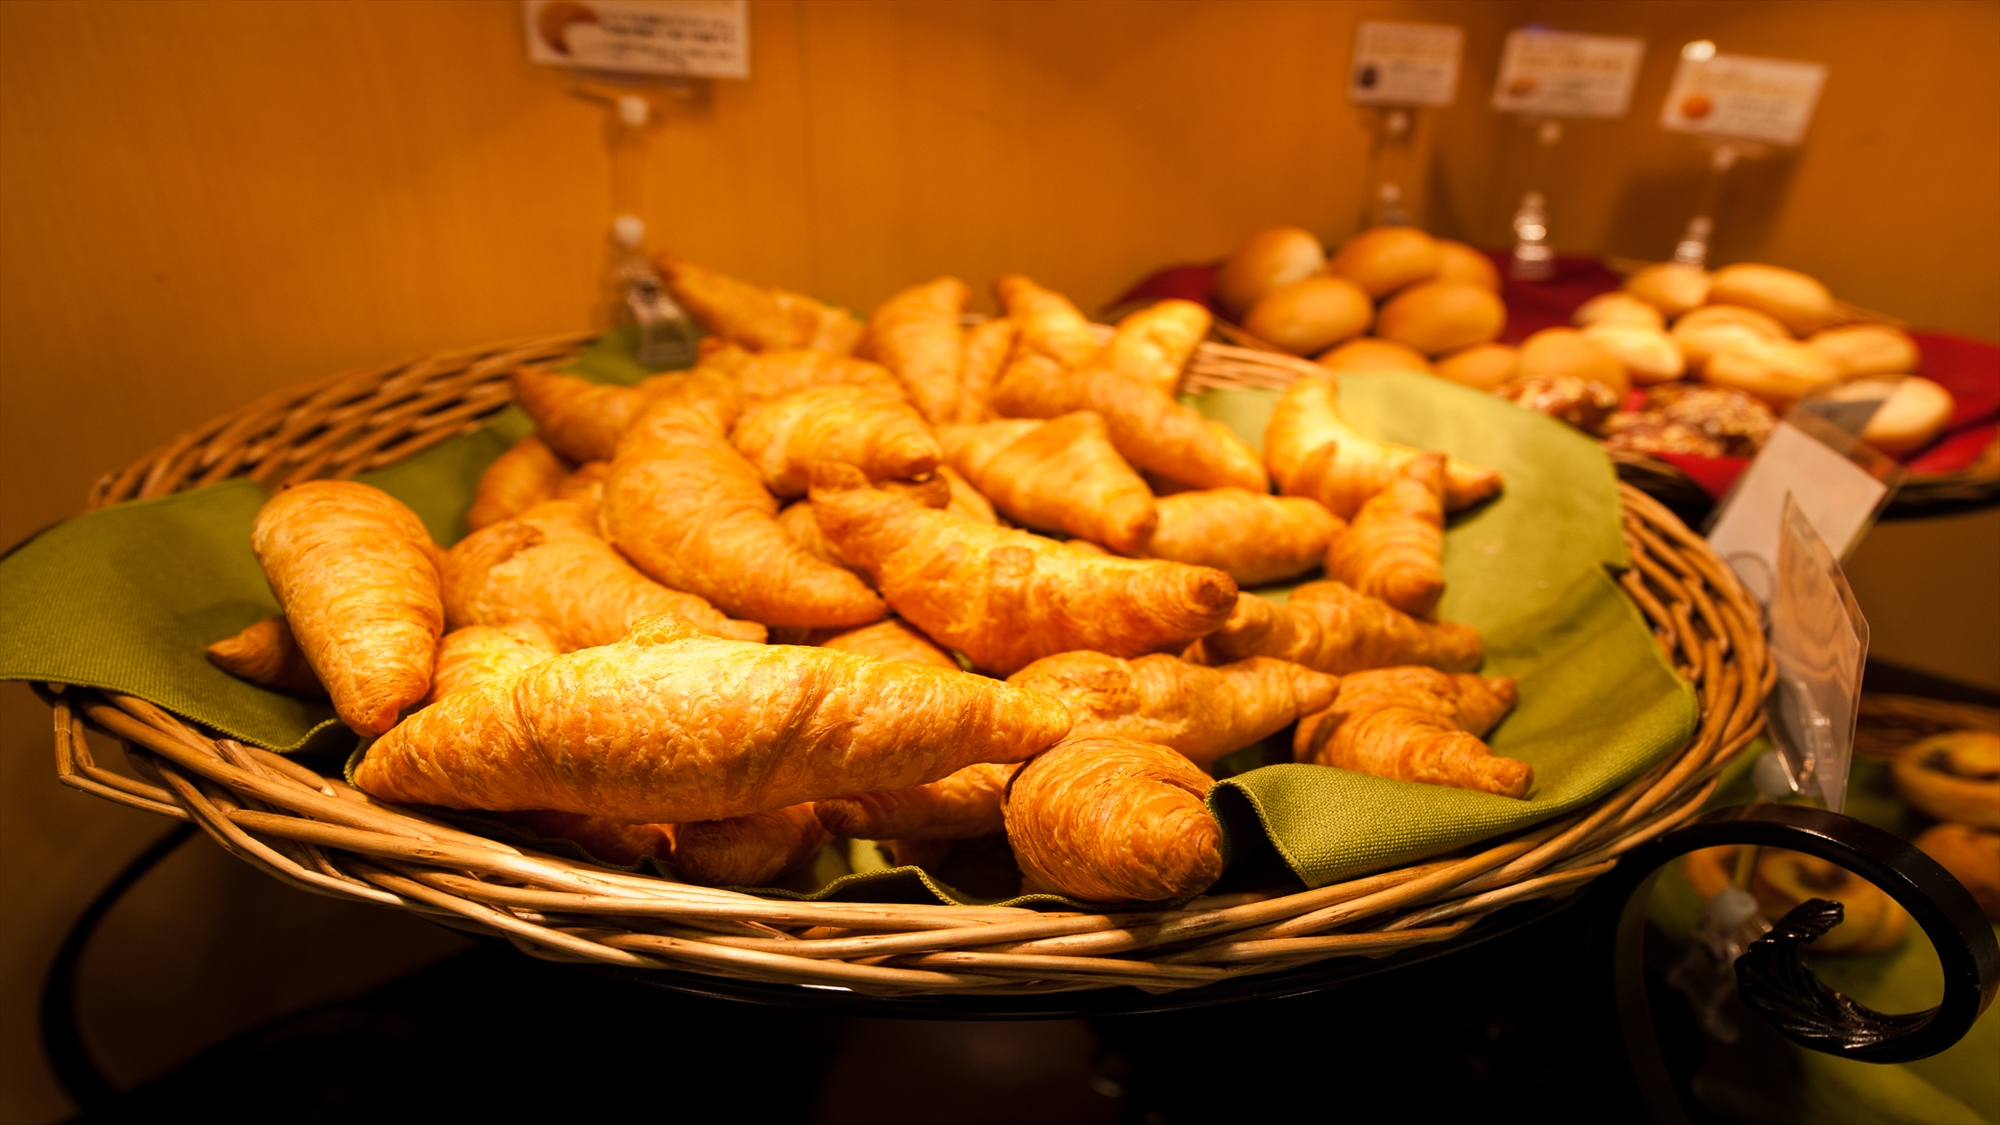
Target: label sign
(1802, 463)
(1405, 64)
(692, 38)
(1742, 98)
(1567, 73)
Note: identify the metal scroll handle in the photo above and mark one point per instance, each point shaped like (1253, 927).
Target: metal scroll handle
(1772, 978)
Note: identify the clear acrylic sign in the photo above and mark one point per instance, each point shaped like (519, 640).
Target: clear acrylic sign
(1738, 97)
(1405, 64)
(1837, 483)
(1567, 74)
(1819, 641)
(687, 38)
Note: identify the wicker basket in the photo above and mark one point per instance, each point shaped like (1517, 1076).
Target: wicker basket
(318, 834)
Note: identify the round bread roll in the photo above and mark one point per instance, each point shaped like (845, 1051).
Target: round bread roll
(1649, 354)
(1459, 262)
(1436, 317)
(1803, 304)
(1953, 776)
(1670, 287)
(1972, 855)
(1618, 308)
(1310, 315)
(1555, 353)
(1385, 259)
(1368, 353)
(1867, 349)
(1485, 366)
(1713, 327)
(1266, 260)
(1780, 372)
(1913, 413)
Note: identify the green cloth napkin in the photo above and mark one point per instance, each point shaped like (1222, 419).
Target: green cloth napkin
(127, 597)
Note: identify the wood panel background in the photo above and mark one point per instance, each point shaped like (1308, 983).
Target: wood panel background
(203, 200)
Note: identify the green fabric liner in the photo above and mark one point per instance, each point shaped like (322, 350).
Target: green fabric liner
(126, 598)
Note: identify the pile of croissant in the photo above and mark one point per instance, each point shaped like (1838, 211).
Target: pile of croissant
(906, 581)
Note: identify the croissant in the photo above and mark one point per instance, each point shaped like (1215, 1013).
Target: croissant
(1007, 598)
(1060, 475)
(1394, 548)
(1049, 323)
(612, 841)
(687, 509)
(586, 483)
(549, 567)
(1331, 628)
(966, 501)
(758, 316)
(1205, 713)
(958, 807)
(891, 640)
(357, 576)
(673, 725)
(1153, 344)
(1416, 724)
(477, 655)
(1113, 820)
(579, 419)
(1148, 428)
(884, 437)
(763, 376)
(802, 527)
(746, 851)
(986, 347)
(528, 473)
(916, 334)
(1313, 453)
(1255, 536)
(267, 655)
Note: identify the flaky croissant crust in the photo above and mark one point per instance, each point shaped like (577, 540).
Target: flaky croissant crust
(1113, 820)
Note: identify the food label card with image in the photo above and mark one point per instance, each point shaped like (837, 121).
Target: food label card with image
(689, 38)
(1567, 73)
(1742, 98)
(1405, 64)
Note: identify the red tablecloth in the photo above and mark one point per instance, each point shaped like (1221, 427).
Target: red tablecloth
(1969, 369)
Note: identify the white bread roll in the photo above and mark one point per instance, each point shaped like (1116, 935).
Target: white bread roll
(1368, 353)
(1797, 300)
(1483, 366)
(1867, 349)
(1620, 308)
(1648, 354)
(1670, 287)
(1554, 353)
(1459, 262)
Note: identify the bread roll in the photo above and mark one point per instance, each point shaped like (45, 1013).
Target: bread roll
(1778, 371)
(1385, 259)
(1867, 349)
(1435, 317)
(1972, 855)
(1555, 353)
(1618, 308)
(1459, 262)
(1803, 304)
(1714, 327)
(1670, 287)
(1485, 366)
(1953, 776)
(1371, 354)
(1913, 413)
(1266, 260)
(1310, 315)
(1648, 354)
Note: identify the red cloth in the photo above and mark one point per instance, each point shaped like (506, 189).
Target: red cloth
(1969, 369)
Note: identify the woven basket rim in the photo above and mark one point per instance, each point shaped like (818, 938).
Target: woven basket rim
(321, 835)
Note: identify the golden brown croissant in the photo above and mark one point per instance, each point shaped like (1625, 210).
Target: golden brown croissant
(477, 655)
(799, 523)
(579, 419)
(1007, 598)
(1313, 453)
(760, 317)
(1205, 713)
(1113, 820)
(1148, 428)
(1394, 548)
(690, 511)
(357, 576)
(671, 724)
(1255, 536)
(763, 376)
(1048, 323)
(1331, 628)
(267, 655)
(884, 437)
(548, 566)
(891, 640)
(746, 851)
(1060, 475)
(1153, 344)
(958, 807)
(586, 483)
(528, 473)
(987, 345)
(966, 501)
(1416, 724)
(916, 334)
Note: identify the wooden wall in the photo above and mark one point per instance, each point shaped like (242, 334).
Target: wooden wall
(200, 201)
